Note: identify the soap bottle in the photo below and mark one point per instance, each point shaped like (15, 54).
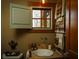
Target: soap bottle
(28, 54)
(49, 46)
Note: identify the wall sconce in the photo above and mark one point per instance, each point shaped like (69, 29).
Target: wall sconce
(43, 1)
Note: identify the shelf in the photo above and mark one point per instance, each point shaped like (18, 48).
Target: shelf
(59, 9)
(59, 17)
(60, 32)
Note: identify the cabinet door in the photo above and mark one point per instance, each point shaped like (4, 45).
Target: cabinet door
(20, 16)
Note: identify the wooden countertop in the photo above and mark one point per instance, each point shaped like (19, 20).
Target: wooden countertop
(56, 55)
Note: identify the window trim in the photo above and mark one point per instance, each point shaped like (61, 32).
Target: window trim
(50, 30)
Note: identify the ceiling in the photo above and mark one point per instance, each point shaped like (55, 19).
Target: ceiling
(50, 1)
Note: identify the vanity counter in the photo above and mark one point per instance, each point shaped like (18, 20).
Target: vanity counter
(56, 55)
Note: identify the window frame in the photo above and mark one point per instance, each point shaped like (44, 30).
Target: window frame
(46, 30)
(47, 8)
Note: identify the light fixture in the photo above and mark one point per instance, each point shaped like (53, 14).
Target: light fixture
(43, 1)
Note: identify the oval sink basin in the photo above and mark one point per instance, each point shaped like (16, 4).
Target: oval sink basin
(43, 52)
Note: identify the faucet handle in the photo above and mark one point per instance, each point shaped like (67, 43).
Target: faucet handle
(45, 38)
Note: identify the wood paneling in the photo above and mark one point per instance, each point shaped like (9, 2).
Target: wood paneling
(72, 28)
(67, 23)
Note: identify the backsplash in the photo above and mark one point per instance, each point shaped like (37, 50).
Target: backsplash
(27, 39)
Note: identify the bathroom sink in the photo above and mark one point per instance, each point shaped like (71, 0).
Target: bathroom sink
(43, 52)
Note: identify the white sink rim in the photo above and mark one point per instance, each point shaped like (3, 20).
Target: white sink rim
(43, 52)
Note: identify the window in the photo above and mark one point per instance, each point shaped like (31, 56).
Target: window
(41, 18)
